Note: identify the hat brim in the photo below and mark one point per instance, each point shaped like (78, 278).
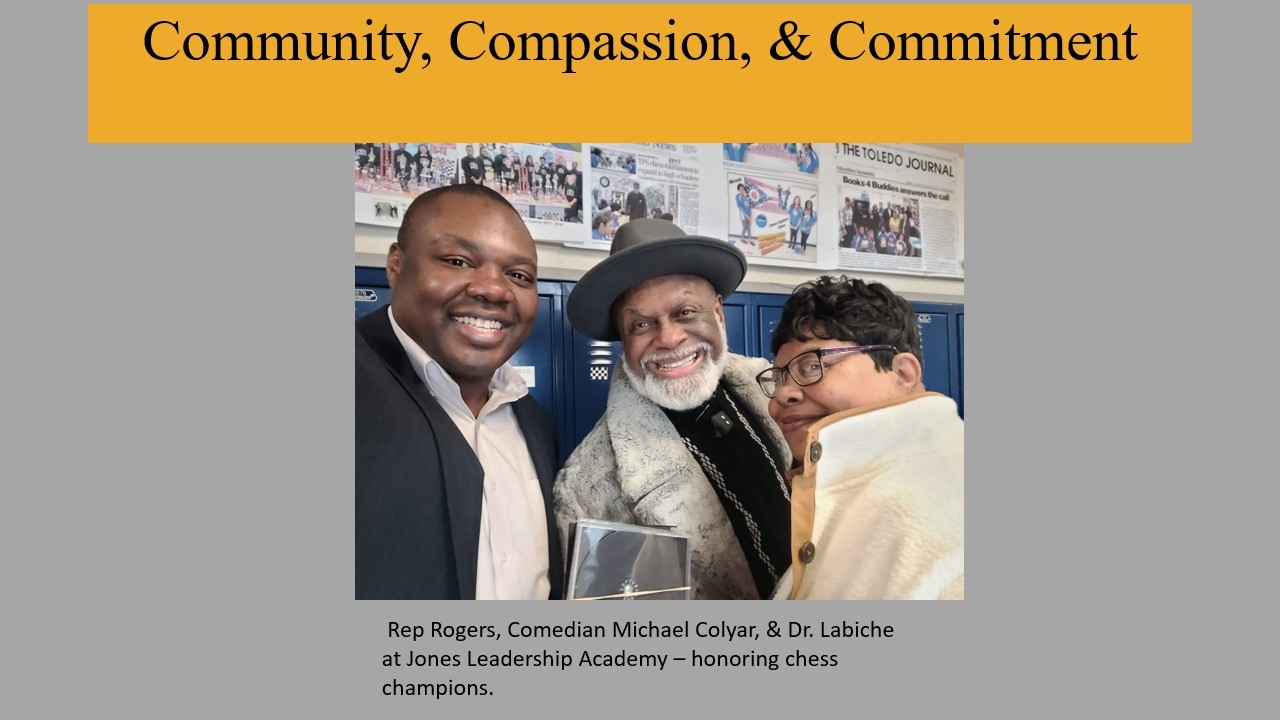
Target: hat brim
(590, 304)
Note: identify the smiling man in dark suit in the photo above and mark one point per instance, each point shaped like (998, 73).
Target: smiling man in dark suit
(454, 459)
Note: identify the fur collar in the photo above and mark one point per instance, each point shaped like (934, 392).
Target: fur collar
(633, 468)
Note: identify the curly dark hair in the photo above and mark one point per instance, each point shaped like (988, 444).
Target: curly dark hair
(845, 308)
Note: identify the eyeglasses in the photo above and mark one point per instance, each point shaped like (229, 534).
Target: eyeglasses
(807, 368)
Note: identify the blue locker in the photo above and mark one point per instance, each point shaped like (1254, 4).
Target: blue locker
(371, 290)
(936, 335)
(735, 322)
(592, 363)
(769, 315)
(768, 311)
(960, 358)
(537, 361)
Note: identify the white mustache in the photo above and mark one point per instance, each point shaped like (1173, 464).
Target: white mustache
(677, 354)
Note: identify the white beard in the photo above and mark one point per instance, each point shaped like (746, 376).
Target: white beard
(690, 391)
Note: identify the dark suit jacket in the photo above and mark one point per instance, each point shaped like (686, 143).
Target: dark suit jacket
(418, 483)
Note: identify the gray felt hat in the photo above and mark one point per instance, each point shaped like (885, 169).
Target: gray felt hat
(644, 249)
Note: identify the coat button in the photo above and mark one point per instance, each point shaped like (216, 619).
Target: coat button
(807, 551)
(815, 452)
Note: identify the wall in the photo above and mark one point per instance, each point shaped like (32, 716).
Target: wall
(556, 262)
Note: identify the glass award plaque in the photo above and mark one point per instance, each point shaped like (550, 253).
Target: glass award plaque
(617, 561)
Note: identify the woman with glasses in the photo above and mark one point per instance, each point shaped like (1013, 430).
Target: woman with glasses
(878, 488)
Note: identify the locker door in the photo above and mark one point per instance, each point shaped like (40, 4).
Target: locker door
(768, 322)
(934, 321)
(960, 357)
(735, 322)
(768, 311)
(371, 290)
(369, 299)
(534, 360)
(593, 363)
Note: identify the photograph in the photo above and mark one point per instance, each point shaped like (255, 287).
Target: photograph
(402, 169)
(772, 217)
(883, 224)
(788, 157)
(543, 182)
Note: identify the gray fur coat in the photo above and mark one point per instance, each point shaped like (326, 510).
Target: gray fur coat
(633, 468)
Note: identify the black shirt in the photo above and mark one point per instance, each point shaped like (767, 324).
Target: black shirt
(746, 471)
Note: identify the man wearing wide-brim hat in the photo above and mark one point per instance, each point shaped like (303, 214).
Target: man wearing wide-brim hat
(686, 440)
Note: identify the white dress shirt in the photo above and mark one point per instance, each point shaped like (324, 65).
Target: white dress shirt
(512, 548)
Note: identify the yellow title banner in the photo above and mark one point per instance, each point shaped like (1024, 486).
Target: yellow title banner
(640, 73)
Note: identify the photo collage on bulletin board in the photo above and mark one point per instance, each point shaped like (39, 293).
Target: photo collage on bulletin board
(822, 206)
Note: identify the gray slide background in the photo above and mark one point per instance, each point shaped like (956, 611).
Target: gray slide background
(176, 507)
